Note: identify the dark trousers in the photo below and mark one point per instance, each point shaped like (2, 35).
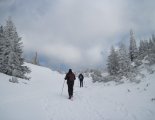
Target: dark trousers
(70, 88)
(81, 83)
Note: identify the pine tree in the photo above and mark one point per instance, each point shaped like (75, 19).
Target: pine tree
(113, 62)
(5, 52)
(35, 60)
(151, 55)
(153, 42)
(133, 48)
(124, 61)
(2, 46)
(150, 45)
(13, 61)
(1, 43)
(143, 49)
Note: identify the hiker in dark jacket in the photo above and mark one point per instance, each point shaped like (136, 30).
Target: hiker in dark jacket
(70, 77)
(81, 77)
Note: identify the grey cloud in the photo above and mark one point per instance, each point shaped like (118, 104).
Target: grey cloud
(83, 28)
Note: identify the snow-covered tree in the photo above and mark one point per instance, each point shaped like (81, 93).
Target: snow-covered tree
(124, 60)
(4, 51)
(150, 45)
(10, 55)
(13, 61)
(2, 47)
(35, 59)
(151, 55)
(133, 51)
(96, 75)
(153, 44)
(143, 49)
(113, 62)
(1, 42)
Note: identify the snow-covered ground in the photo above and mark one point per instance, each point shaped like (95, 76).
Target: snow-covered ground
(40, 98)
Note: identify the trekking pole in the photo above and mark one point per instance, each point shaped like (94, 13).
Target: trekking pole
(63, 87)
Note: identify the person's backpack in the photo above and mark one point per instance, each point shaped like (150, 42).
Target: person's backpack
(80, 76)
(71, 76)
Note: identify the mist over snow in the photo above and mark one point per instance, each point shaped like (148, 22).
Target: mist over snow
(79, 33)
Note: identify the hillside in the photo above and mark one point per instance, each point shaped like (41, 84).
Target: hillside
(40, 98)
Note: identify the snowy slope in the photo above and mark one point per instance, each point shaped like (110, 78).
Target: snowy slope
(41, 99)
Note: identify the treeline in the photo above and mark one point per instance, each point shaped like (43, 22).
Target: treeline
(122, 61)
(11, 59)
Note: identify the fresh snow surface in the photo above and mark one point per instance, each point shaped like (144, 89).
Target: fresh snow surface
(40, 98)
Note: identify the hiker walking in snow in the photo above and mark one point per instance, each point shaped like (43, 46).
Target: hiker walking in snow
(81, 77)
(70, 77)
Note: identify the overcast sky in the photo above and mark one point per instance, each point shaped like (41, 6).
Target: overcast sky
(78, 33)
